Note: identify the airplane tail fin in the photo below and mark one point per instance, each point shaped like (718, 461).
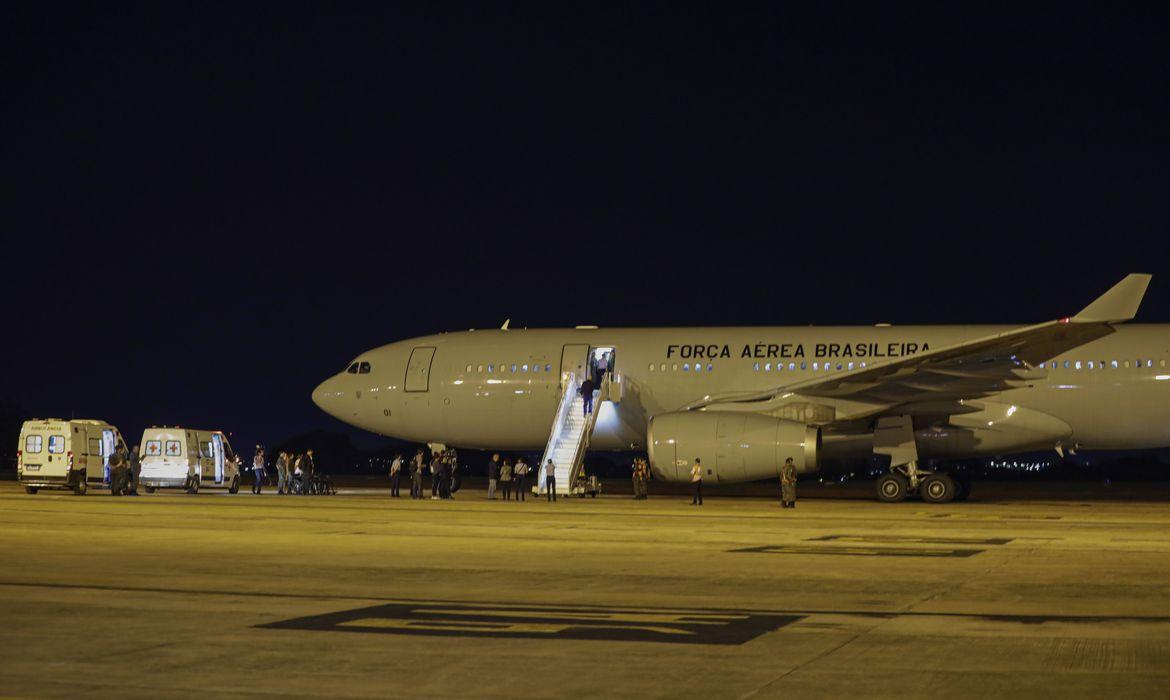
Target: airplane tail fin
(1119, 304)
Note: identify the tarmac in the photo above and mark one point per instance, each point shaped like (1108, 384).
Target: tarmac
(360, 595)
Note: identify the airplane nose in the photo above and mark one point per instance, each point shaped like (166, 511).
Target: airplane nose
(326, 396)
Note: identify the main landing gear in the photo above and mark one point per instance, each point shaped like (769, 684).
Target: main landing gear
(930, 486)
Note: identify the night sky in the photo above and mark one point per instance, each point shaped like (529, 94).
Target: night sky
(206, 212)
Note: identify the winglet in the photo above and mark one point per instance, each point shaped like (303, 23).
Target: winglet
(1118, 304)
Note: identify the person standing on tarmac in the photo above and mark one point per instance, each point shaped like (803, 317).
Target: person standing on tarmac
(636, 477)
(118, 472)
(281, 473)
(309, 469)
(395, 474)
(506, 479)
(520, 472)
(788, 484)
(493, 476)
(135, 471)
(416, 475)
(697, 480)
(258, 470)
(550, 481)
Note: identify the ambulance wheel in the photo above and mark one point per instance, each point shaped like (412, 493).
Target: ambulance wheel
(31, 490)
(892, 488)
(80, 486)
(235, 487)
(151, 489)
(937, 488)
(193, 485)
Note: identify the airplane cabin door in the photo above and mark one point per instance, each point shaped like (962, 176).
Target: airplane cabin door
(418, 369)
(575, 359)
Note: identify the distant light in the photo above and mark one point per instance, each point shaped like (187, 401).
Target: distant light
(1162, 377)
(457, 382)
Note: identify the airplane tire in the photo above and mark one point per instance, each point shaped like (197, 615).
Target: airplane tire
(962, 487)
(151, 489)
(892, 488)
(235, 487)
(937, 488)
(31, 490)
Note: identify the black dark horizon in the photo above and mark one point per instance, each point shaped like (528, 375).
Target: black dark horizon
(208, 211)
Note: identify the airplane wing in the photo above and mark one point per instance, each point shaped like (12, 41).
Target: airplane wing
(966, 370)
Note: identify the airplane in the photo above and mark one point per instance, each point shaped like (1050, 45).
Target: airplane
(744, 399)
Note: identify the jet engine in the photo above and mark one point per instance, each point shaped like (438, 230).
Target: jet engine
(731, 446)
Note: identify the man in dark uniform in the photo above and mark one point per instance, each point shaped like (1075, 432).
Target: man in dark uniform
(135, 471)
(118, 470)
(788, 484)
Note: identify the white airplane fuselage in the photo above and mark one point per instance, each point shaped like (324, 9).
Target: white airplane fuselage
(499, 389)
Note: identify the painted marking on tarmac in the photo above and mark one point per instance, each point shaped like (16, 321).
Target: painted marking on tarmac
(537, 622)
(860, 551)
(915, 539)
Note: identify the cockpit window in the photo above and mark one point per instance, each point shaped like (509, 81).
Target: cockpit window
(364, 368)
(353, 369)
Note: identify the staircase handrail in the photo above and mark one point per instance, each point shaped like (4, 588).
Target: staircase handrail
(583, 444)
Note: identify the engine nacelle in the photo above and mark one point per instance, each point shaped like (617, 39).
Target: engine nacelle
(731, 446)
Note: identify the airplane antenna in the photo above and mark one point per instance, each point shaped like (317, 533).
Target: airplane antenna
(506, 322)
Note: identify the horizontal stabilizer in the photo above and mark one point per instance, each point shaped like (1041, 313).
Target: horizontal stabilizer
(1118, 304)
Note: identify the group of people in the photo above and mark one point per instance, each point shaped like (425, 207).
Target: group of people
(295, 474)
(641, 477)
(507, 475)
(125, 471)
(442, 466)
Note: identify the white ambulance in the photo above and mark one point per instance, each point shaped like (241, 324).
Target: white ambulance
(66, 454)
(188, 459)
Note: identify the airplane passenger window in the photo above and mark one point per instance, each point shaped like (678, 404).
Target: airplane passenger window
(757, 366)
(1113, 364)
(1090, 364)
(804, 365)
(767, 366)
(364, 368)
(352, 368)
(513, 369)
(1150, 363)
(816, 366)
(698, 366)
(674, 367)
(791, 366)
(468, 370)
(838, 365)
(480, 369)
(651, 368)
(548, 368)
(1161, 363)
(1078, 364)
(710, 366)
(524, 368)
(1066, 364)
(687, 367)
(1127, 364)
(662, 367)
(490, 367)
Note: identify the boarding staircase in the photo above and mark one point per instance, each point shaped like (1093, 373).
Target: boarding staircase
(569, 437)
